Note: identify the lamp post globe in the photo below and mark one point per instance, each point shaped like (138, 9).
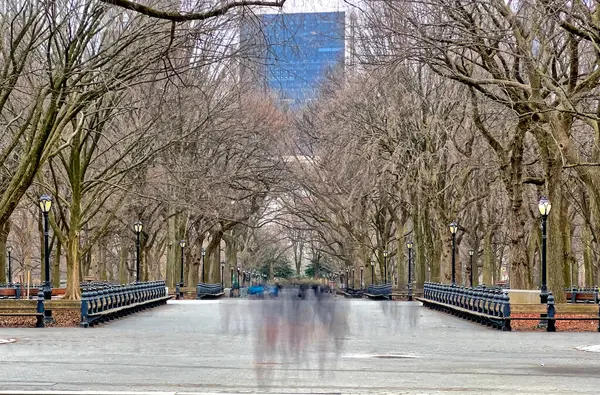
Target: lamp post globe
(45, 203)
(453, 230)
(45, 206)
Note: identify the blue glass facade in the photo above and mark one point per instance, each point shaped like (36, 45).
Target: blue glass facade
(297, 49)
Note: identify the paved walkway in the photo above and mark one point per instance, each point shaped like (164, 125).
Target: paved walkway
(240, 346)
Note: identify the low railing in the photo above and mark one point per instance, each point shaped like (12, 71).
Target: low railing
(488, 306)
(102, 304)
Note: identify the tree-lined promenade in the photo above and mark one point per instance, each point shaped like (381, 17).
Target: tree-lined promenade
(447, 112)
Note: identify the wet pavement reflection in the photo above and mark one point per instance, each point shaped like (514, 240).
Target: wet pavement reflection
(309, 330)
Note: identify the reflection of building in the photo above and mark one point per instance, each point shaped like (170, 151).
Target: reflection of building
(292, 51)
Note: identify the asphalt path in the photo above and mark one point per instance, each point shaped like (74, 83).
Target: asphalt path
(296, 346)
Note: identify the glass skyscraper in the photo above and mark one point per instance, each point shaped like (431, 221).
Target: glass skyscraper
(292, 51)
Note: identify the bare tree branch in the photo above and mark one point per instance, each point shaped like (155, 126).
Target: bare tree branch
(181, 17)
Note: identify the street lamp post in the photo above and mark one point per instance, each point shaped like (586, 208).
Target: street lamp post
(453, 230)
(544, 207)
(222, 274)
(353, 282)
(372, 271)
(385, 276)
(45, 205)
(238, 277)
(231, 268)
(9, 250)
(137, 227)
(181, 282)
(203, 253)
(409, 245)
(471, 252)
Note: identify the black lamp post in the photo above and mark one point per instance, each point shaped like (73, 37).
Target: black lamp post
(372, 271)
(231, 268)
(353, 282)
(238, 276)
(544, 207)
(203, 253)
(181, 282)
(9, 251)
(453, 230)
(137, 227)
(45, 205)
(409, 245)
(222, 274)
(471, 252)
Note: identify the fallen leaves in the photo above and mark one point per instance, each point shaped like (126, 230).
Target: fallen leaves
(561, 326)
(62, 319)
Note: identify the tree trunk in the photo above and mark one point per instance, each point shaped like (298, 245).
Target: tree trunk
(445, 255)
(73, 284)
(102, 260)
(231, 250)
(56, 265)
(173, 249)
(123, 270)
(211, 260)
(4, 231)
(144, 261)
(488, 258)
(401, 257)
(588, 267)
(519, 270)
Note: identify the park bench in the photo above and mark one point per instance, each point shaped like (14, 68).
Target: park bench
(582, 295)
(353, 293)
(379, 292)
(25, 308)
(209, 291)
(103, 304)
(18, 291)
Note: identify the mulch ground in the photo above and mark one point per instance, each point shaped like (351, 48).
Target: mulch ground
(561, 326)
(62, 319)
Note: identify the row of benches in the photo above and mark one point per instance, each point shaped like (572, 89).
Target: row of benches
(492, 307)
(98, 304)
